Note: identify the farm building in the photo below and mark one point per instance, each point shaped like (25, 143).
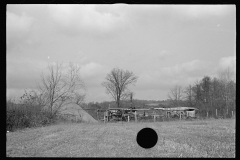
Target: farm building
(183, 111)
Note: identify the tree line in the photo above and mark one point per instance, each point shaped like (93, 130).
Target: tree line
(60, 87)
(208, 94)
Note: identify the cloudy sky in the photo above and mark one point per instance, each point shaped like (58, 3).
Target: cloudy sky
(163, 45)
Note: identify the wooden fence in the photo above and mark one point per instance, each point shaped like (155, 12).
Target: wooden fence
(160, 115)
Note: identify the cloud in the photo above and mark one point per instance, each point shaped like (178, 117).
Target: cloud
(226, 62)
(200, 11)
(84, 18)
(18, 29)
(93, 74)
(181, 74)
(192, 68)
(164, 54)
(18, 24)
(174, 13)
(91, 69)
(88, 70)
(23, 72)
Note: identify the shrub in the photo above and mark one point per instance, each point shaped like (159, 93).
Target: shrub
(21, 116)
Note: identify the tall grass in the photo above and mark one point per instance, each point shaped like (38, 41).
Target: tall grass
(21, 116)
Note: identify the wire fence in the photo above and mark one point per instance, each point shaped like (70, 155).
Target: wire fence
(216, 113)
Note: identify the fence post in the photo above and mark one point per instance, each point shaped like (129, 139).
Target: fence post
(97, 114)
(154, 116)
(135, 116)
(128, 118)
(104, 117)
(168, 115)
(107, 117)
(216, 112)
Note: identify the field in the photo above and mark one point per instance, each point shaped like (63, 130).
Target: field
(205, 138)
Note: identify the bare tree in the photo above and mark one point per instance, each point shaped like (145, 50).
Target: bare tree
(117, 82)
(79, 98)
(226, 78)
(189, 95)
(176, 95)
(197, 93)
(57, 89)
(206, 88)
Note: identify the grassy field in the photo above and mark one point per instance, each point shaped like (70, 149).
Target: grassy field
(206, 138)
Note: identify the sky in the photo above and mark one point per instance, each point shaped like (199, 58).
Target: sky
(164, 45)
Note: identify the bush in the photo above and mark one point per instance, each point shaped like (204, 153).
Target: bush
(21, 116)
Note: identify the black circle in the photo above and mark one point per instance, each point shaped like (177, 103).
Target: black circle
(147, 138)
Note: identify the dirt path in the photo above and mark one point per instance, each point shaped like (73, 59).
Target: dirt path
(176, 139)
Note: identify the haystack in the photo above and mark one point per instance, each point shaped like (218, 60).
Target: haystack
(77, 112)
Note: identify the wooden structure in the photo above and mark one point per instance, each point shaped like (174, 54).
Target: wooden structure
(181, 112)
(126, 114)
(120, 114)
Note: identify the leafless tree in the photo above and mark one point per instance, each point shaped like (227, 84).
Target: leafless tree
(117, 82)
(189, 95)
(176, 95)
(226, 75)
(57, 89)
(226, 79)
(79, 98)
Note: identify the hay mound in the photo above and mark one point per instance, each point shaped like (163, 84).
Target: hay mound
(77, 113)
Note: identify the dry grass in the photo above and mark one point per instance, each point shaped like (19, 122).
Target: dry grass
(209, 138)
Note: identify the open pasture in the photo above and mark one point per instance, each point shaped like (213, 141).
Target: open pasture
(205, 138)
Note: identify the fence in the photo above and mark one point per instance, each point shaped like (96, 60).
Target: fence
(159, 115)
(216, 113)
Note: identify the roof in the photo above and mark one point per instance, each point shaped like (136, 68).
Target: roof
(118, 109)
(135, 109)
(153, 104)
(186, 108)
(178, 108)
(159, 108)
